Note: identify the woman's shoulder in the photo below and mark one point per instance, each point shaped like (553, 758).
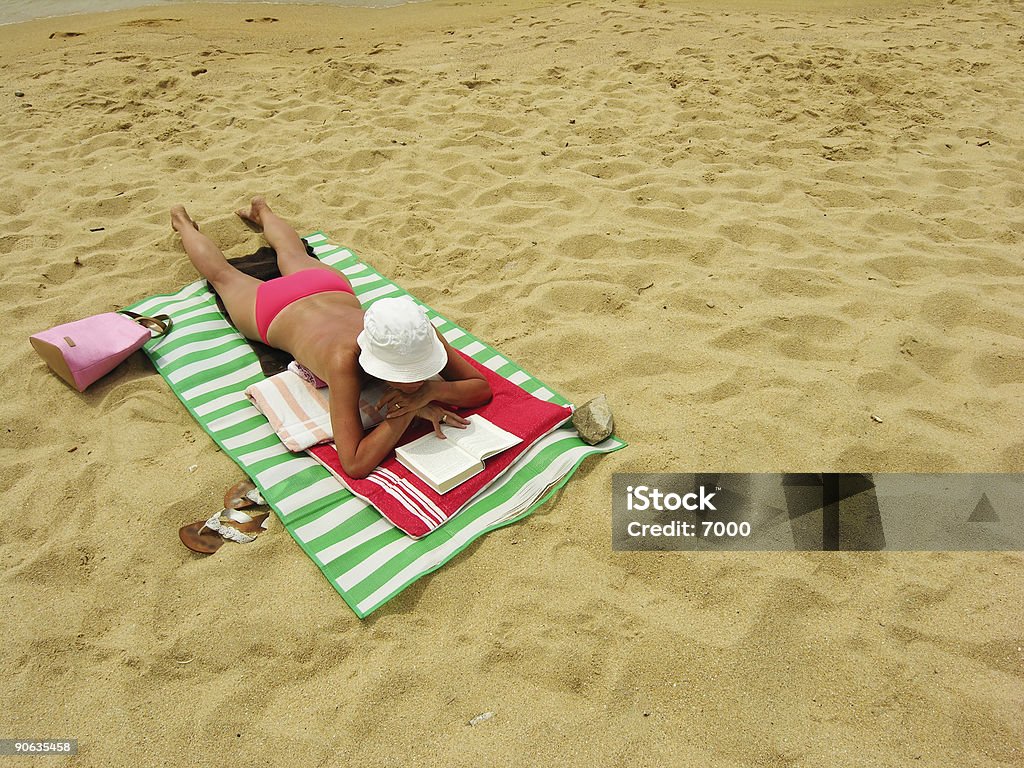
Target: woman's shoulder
(340, 362)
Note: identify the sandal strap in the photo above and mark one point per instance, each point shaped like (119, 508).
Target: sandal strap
(255, 497)
(218, 524)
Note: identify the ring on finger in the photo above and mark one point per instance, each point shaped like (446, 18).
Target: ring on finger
(444, 419)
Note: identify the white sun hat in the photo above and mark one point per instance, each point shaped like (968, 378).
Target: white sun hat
(398, 343)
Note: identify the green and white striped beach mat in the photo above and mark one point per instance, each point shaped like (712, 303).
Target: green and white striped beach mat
(208, 365)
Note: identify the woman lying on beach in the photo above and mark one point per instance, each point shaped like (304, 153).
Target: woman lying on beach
(312, 313)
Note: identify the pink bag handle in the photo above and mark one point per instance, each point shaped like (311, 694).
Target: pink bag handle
(162, 324)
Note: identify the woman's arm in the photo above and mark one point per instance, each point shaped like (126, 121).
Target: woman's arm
(360, 452)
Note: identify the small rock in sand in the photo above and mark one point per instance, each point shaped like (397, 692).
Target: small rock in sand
(593, 420)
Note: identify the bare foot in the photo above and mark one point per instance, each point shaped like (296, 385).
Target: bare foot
(180, 219)
(252, 216)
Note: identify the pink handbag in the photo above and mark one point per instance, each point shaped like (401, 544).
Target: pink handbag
(82, 351)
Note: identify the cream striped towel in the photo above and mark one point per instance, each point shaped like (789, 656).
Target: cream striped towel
(299, 412)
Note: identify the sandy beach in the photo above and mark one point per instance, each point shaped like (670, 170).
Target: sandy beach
(778, 235)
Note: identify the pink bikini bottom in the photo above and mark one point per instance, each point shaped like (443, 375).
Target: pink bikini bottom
(274, 295)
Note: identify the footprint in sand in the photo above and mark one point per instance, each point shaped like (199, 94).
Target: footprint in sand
(264, 20)
(150, 22)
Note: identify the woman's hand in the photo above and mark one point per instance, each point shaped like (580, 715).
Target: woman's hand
(438, 416)
(398, 403)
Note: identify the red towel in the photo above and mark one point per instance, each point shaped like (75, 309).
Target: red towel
(412, 505)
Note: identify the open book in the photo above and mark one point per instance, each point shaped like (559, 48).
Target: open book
(444, 464)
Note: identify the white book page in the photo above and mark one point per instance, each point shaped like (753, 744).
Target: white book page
(440, 460)
(481, 438)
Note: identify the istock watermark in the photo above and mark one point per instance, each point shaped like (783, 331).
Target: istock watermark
(642, 498)
(824, 511)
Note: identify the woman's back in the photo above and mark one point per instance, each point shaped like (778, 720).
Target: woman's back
(320, 332)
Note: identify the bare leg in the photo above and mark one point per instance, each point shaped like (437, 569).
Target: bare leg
(237, 289)
(291, 251)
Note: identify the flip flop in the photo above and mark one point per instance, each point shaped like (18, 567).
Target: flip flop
(243, 494)
(207, 536)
